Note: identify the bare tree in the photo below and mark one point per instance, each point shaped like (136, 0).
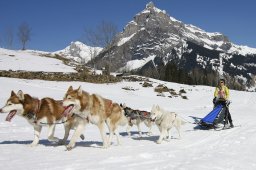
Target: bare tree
(91, 39)
(109, 31)
(102, 36)
(24, 32)
(8, 37)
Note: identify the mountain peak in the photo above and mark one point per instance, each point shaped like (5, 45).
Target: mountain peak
(152, 8)
(150, 5)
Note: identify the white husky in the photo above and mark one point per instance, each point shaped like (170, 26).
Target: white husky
(165, 121)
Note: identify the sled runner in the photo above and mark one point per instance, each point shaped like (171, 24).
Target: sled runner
(226, 128)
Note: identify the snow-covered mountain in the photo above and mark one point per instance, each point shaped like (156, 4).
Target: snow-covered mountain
(79, 52)
(154, 38)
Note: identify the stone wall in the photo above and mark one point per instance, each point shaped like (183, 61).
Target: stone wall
(57, 76)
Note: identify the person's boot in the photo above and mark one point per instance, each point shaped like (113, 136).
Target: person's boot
(224, 123)
(231, 125)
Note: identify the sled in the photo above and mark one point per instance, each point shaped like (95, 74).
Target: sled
(215, 117)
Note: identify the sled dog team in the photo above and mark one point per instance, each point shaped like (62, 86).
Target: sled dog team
(78, 108)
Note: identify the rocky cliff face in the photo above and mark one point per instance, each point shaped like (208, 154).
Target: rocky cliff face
(154, 38)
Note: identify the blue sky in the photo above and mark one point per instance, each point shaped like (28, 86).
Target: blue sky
(55, 23)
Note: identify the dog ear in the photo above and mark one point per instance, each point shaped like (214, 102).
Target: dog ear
(70, 88)
(20, 95)
(13, 93)
(157, 107)
(79, 91)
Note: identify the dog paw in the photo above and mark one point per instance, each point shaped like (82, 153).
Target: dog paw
(159, 142)
(54, 139)
(149, 133)
(109, 144)
(33, 144)
(105, 146)
(69, 148)
(167, 139)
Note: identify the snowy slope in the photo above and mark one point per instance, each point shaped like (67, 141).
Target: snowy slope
(198, 149)
(135, 64)
(30, 61)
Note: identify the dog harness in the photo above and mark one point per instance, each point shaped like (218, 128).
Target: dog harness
(159, 123)
(32, 114)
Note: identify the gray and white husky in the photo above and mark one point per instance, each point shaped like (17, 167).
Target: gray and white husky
(136, 117)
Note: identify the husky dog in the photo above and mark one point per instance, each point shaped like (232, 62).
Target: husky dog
(46, 111)
(97, 110)
(136, 117)
(165, 121)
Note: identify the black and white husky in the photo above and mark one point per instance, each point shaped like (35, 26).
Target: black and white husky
(136, 117)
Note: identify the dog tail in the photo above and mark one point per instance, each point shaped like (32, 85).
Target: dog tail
(182, 122)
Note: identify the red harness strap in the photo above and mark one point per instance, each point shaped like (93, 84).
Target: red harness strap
(110, 102)
(37, 108)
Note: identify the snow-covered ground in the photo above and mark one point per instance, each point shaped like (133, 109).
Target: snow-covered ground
(198, 149)
(30, 61)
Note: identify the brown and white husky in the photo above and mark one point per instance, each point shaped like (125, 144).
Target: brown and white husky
(46, 111)
(97, 110)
